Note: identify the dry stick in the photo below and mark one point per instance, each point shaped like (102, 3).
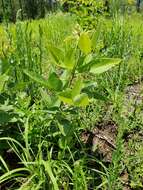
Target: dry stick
(103, 137)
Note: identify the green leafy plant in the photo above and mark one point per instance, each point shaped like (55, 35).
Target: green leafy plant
(63, 91)
(55, 92)
(72, 63)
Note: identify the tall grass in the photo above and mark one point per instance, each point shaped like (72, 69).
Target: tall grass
(46, 159)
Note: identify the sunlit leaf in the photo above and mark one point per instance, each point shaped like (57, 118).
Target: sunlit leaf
(100, 65)
(77, 87)
(57, 55)
(78, 100)
(85, 43)
(66, 96)
(69, 60)
(104, 64)
(81, 100)
(88, 84)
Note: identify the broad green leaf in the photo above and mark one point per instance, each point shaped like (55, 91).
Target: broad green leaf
(77, 87)
(66, 60)
(101, 65)
(57, 55)
(84, 43)
(52, 101)
(3, 79)
(36, 77)
(69, 60)
(55, 103)
(81, 100)
(88, 84)
(66, 96)
(54, 82)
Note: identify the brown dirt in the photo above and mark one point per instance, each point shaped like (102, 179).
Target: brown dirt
(125, 180)
(102, 139)
(133, 98)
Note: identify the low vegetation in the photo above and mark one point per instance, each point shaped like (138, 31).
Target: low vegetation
(71, 100)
